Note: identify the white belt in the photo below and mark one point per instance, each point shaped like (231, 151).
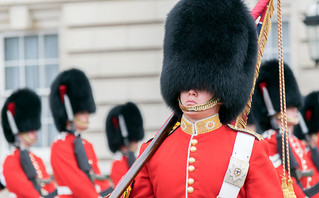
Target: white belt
(64, 190)
(238, 166)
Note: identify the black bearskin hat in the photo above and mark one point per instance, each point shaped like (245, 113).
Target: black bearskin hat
(210, 45)
(26, 107)
(133, 121)
(310, 113)
(79, 91)
(269, 74)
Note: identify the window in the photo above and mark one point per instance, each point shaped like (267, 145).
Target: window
(271, 50)
(31, 60)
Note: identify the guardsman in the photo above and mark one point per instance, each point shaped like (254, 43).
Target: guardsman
(210, 49)
(73, 160)
(124, 128)
(310, 114)
(301, 164)
(24, 172)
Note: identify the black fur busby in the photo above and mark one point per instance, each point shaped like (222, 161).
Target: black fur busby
(133, 121)
(26, 112)
(79, 91)
(269, 74)
(210, 45)
(310, 113)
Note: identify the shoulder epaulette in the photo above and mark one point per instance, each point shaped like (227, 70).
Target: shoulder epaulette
(172, 131)
(253, 133)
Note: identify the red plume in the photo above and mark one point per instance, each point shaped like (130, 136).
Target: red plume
(11, 108)
(308, 115)
(62, 89)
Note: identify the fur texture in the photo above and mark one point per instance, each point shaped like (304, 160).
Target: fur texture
(269, 74)
(210, 45)
(79, 92)
(310, 113)
(134, 124)
(27, 113)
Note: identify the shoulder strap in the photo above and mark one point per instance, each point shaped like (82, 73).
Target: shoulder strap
(257, 136)
(28, 168)
(238, 166)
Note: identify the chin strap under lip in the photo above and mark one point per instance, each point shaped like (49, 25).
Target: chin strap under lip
(201, 107)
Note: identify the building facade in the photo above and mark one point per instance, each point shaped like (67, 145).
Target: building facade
(118, 44)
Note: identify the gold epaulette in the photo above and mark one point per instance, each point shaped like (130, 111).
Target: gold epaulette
(173, 129)
(253, 133)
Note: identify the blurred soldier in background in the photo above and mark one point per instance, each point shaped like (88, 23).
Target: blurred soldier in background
(303, 170)
(124, 128)
(24, 172)
(74, 162)
(310, 114)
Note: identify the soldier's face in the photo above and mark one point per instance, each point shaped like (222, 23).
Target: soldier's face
(196, 97)
(27, 139)
(81, 121)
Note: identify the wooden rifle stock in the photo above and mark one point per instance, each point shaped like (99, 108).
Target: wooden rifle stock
(144, 157)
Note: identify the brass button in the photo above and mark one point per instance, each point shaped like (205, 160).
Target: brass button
(191, 181)
(90, 162)
(193, 148)
(190, 189)
(191, 168)
(191, 160)
(194, 141)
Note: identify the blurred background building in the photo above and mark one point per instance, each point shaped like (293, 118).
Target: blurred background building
(118, 43)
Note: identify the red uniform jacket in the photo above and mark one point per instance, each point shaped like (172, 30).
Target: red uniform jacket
(17, 181)
(119, 168)
(188, 165)
(302, 156)
(66, 171)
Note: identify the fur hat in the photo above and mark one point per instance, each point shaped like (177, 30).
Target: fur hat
(133, 121)
(310, 113)
(269, 74)
(26, 106)
(211, 45)
(79, 91)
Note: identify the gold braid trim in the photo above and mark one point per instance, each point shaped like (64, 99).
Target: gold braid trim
(201, 107)
(241, 120)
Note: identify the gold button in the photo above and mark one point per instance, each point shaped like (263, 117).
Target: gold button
(190, 189)
(191, 160)
(90, 162)
(194, 141)
(191, 168)
(193, 148)
(191, 181)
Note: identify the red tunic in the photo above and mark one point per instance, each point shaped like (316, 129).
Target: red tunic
(119, 168)
(168, 173)
(67, 173)
(302, 156)
(17, 181)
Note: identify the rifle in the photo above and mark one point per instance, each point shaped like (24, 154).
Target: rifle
(313, 149)
(144, 157)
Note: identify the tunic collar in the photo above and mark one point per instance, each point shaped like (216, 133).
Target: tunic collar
(201, 126)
